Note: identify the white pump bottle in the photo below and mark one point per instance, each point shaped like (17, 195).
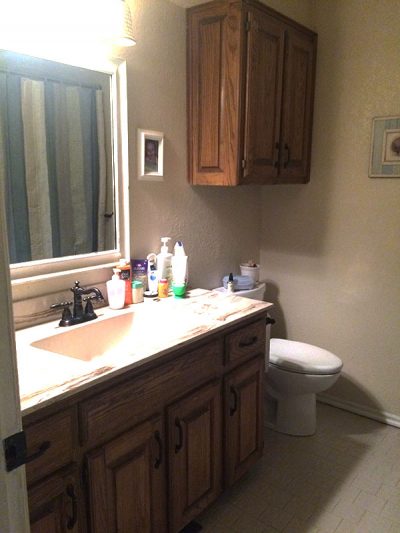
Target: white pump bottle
(164, 261)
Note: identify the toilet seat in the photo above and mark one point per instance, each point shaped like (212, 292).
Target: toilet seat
(303, 358)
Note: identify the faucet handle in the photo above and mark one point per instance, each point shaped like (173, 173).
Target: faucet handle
(66, 318)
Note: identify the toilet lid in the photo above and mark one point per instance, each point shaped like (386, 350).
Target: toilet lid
(303, 358)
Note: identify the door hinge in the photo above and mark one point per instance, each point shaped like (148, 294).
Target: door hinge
(15, 450)
(244, 163)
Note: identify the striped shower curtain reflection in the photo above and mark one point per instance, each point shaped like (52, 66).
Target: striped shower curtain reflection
(53, 166)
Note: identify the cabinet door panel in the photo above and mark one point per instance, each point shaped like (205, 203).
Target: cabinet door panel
(53, 503)
(297, 108)
(265, 46)
(243, 418)
(213, 94)
(127, 482)
(195, 432)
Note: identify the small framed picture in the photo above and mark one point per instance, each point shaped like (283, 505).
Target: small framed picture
(385, 148)
(150, 155)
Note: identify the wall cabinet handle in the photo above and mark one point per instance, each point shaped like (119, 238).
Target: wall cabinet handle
(158, 461)
(250, 342)
(178, 425)
(233, 409)
(74, 501)
(286, 163)
(42, 448)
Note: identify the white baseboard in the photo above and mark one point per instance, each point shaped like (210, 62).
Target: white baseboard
(369, 412)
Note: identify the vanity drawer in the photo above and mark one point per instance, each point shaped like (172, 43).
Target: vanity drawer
(129, 403)
(50, 441)
(245, 342)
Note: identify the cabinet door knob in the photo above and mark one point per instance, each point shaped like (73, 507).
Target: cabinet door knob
(74, 501)
(178, 425)
(233, 409)
(158, 461)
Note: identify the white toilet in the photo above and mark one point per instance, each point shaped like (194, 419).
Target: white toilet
(296, 373)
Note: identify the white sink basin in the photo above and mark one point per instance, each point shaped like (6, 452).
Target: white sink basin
(107, 337)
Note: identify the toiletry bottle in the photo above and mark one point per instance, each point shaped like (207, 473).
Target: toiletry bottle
(230, 286)
(164, 261)
(179, 265)
(152, 275)
(137, 291)
(125, 267)
(163, 288)
(116, 290)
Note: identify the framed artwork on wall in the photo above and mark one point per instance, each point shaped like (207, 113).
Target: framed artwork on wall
(385, 148)
(150, 155)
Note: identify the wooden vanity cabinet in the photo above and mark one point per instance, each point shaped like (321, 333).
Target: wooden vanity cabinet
(147, 452)
(251, 75)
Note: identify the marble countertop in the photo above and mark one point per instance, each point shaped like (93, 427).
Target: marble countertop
(152, 329)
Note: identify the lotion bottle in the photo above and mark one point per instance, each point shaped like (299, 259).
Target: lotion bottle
(116, 290)
(179, 265)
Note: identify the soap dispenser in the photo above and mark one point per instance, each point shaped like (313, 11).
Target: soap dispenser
(116, 290)
(164, 258)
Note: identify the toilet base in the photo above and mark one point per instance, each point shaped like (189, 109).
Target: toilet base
(293, 415)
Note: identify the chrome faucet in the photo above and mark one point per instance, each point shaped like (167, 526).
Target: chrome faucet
(79, 314)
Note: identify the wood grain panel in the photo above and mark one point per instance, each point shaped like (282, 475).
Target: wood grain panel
(245, 343)
(213, 93)
(127, 483)
(60, 433)
(243, 418)
(122, 406)
(265, 48)
(210, 69)
(195, 460)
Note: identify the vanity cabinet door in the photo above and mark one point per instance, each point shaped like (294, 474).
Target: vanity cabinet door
(53, 504)
(127, 482)
(243, 418)
(195, 453)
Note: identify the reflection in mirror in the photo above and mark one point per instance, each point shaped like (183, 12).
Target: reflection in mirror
(55, 158)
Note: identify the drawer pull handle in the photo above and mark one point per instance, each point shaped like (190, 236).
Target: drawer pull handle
(250, 342)
(42, 448)
(178, 425)
(74, 500)
(233, 409)
(160, 449)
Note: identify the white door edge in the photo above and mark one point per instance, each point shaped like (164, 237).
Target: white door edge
(14, 516)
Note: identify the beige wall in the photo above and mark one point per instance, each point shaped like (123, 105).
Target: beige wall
(330, 249)
(220, 227)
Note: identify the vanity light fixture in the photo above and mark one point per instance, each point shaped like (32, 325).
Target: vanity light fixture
(125, 38)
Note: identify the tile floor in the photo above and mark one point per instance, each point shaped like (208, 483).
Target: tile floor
(344, 479)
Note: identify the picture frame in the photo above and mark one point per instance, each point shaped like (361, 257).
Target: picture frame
(150, 155)
(385, 148)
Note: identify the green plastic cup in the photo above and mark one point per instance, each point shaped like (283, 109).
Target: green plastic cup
(179, 290)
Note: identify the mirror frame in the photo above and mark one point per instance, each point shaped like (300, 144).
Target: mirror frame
(45, 276)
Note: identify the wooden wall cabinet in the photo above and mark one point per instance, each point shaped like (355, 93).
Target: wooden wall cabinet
(251, 75)
(148, 452)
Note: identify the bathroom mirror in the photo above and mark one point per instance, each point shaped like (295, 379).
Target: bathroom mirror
(56, 159)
